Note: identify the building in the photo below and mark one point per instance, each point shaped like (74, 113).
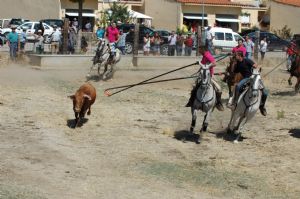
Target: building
(284, 12)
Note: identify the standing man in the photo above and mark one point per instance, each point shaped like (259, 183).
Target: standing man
(172, 44)
(23, 40)
(12, 38)
(263, 48)
(209, 40)
(55, 40)
(112, 34)
(179, 44)
(122, 41)
(249, 45)
(188, 42)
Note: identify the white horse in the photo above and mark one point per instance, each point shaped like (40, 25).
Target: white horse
(102, 58)
(247, 105)
(205, 99)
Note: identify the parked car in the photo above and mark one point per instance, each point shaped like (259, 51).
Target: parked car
(17, 21)
(31, 29)
(225, 39)
(274, 42)
(3, 39)
(58, 22)
(4, 23)
(163, 33)
(142, 32)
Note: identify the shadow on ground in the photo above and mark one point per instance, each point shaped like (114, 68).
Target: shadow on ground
(295, 133)
(223, 134)
(284, 93)
(71, 123)
(186, 136)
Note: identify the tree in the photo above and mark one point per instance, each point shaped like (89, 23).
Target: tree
(117, 12)
(80, 5)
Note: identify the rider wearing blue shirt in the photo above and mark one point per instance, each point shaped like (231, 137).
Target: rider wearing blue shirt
(245, 67)
(100, 33)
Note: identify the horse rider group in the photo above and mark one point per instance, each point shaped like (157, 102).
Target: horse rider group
(244, 66)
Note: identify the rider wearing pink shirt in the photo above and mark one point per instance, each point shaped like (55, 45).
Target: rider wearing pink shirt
(240, 47)
(208, 59)
(112, 34)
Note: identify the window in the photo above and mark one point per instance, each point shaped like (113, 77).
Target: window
(228, 37)
(26, 25)
(237, 37)
(219, 36)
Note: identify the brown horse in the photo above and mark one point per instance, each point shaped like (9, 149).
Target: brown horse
(295, 72)
(232, 78)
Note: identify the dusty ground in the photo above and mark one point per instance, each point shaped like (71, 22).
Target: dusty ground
(131, 147)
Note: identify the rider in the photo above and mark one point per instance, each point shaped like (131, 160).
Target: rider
(245, 67)
(207, 58)
(291, 57)
(112, 34)
(239, 47)
(291, 52)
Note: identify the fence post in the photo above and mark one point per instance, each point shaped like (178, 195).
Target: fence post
(257, 33)
(65, 35)
(136, 44)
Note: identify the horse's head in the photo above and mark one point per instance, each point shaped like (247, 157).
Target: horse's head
(255, 83)
(101, 45)
(204, 75)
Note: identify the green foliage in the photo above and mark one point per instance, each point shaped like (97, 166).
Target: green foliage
(280, 115)
(284, 33)
(119, 12)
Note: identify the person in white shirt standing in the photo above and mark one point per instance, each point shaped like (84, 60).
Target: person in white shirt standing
(55, 40)
(263, 48)
(172, 44)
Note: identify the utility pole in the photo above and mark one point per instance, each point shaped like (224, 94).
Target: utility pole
(135, 44)
(200, 31)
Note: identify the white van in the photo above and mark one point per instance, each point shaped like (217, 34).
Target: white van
(224, 38)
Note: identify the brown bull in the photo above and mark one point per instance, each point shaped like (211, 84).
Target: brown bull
(83, 99)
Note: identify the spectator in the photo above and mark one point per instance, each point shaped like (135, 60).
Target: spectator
(84, 44)
(172, 44)
(146, 44)
(209, 40)
(179, 44)
(40, 26)
(55, 40)
(72, 40)
(155, 41)
(100, 32)
(23, 39)
(39, 46)
(263, 48)
(75, 23)
(122, 41)
(249, 45)
(12, 38)
(88, 26)
(188, 42)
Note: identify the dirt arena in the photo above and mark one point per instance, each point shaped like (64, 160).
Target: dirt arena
(131, 146)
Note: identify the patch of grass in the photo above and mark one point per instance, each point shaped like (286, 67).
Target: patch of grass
(18, 192)
(221, 182)
(280, 115)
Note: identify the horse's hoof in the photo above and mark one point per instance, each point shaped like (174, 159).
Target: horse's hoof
(88, 75)
(235, 141)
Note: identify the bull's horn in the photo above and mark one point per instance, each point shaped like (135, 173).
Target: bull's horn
(87, 96)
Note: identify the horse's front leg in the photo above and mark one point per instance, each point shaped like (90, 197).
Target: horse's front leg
(239, 128)
(233, 119)
(194, 118)
(99, 66)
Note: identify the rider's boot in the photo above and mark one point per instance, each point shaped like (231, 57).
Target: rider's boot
(262, 107)
(219, 104)
(192, 97)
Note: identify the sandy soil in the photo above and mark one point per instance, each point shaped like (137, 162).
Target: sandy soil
(131, 145)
